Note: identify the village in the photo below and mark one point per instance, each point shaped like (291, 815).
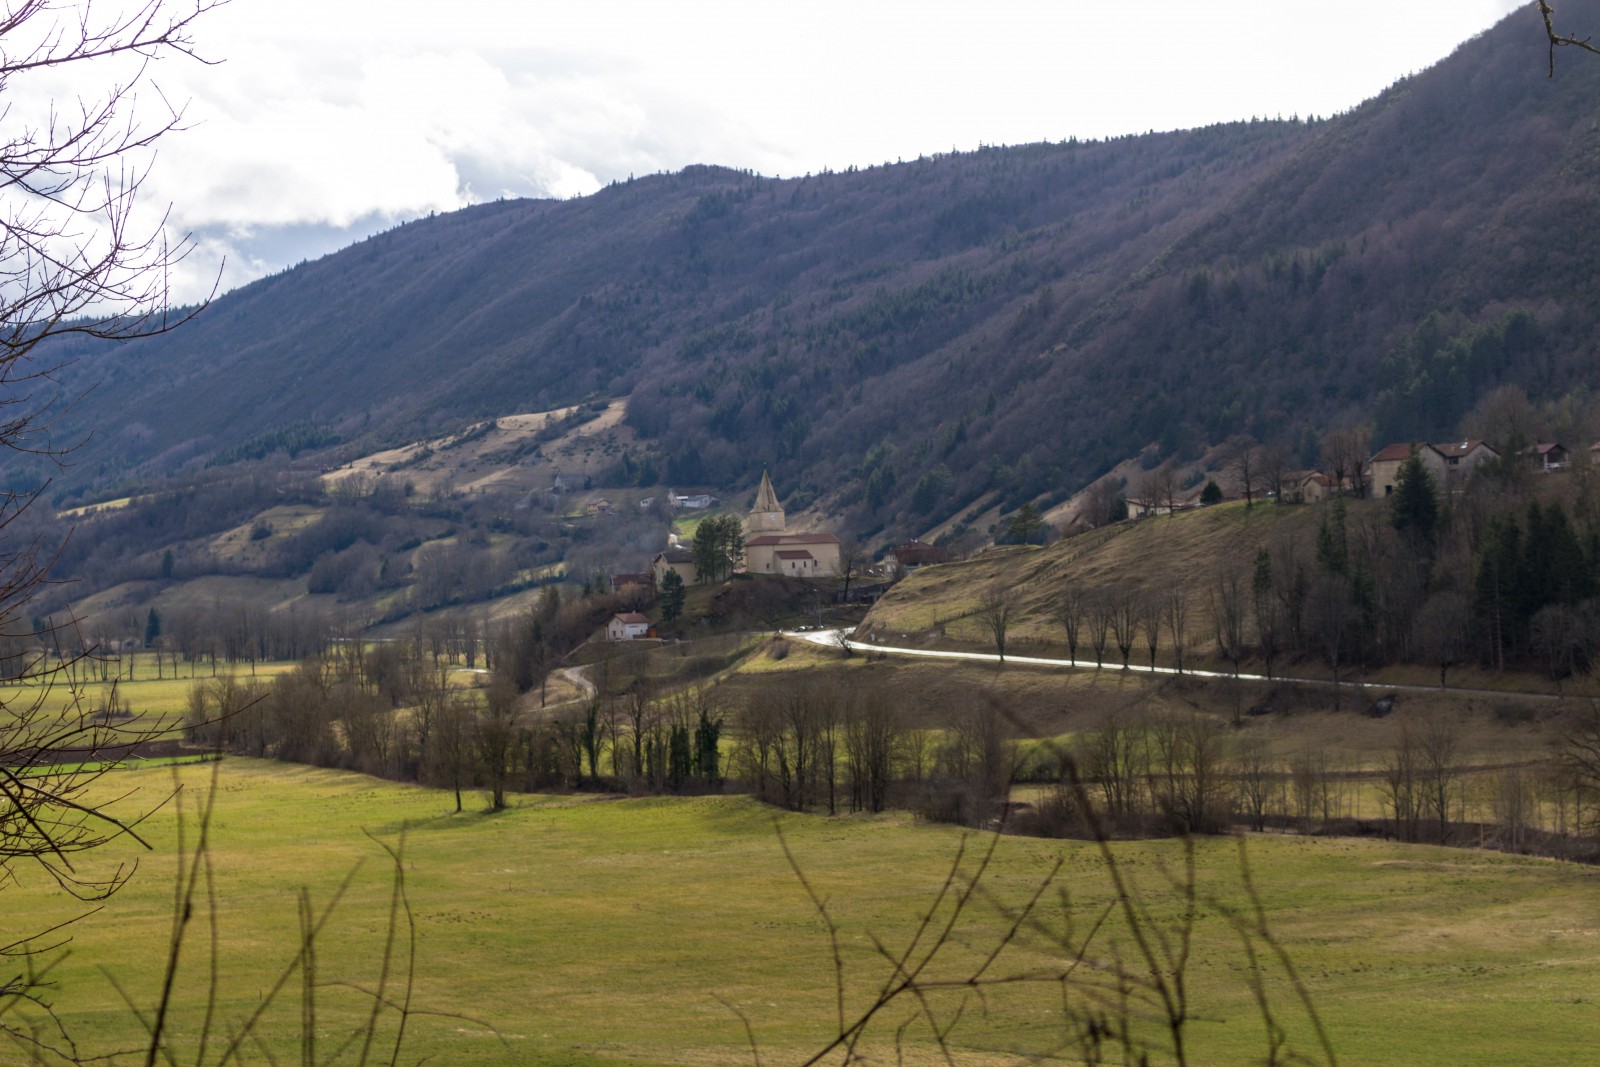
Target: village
(766, 546)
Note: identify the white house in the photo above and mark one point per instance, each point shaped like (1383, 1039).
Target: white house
(627, 626)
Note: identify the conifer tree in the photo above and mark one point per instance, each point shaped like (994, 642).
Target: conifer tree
(1414, 508)
(672, 596)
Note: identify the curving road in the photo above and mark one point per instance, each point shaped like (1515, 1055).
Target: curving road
(837, 639)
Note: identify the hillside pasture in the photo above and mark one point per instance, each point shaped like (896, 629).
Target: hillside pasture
(587, 931)
(1146, 556)
(252, 544)
(1185, 552)
(517, 453)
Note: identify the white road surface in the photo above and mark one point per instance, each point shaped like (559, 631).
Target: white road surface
(837, 638)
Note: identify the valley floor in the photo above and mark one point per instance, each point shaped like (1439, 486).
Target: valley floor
(607, 931)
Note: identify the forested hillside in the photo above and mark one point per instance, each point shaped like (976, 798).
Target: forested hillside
(897, 341)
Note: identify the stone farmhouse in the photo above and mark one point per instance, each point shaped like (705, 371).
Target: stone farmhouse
(1308, 487)
(1449, 464)
(675, 558)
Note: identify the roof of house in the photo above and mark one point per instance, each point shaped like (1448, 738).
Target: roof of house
(1399, 452)
(1457, 449)
(1543, 449)
(630, 618)
(676, 554)
(798, 553)
(792, 539)
(920, 551)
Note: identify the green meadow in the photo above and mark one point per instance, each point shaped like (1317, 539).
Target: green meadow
(149, 693)
(573, 930)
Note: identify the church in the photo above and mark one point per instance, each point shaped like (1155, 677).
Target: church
(771, 548)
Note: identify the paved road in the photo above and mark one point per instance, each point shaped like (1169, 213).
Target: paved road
(836, 639)
(576, 676)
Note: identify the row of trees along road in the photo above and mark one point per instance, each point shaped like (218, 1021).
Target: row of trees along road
(819, 744)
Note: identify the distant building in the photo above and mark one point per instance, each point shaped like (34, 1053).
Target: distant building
(770, 548)
(1450, 463)
(675, 558)
(1460, 457)
(1547, 457)
(1307, 487)
(624, 580)
(691, 501)
(1386, 465)
(914, 554)
(627, 626)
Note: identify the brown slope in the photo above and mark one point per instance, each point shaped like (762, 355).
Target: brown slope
(1021, 317)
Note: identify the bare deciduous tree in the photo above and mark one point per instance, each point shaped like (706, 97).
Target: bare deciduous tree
(1344, 455)
(1175, 609)
(1104, 503)
(1099, 625)
(1255, 773)
(1440, 630)
(852, 564)
(1069, 612)
(1114, 758)
(1245, 466)
(1188, 764)
(1274, 469)
(1151, 606)
(1561, 40)
(1438, 746)
(75, 258)
(872, 735)
(1124, 614)
(1402, 784)
(995, 613)
(1228, 612)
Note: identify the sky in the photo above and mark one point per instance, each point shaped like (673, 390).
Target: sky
(323, 121)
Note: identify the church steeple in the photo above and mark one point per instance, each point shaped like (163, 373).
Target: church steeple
(767, 515)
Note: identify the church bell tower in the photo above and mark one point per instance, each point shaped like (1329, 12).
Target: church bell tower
(767, 515)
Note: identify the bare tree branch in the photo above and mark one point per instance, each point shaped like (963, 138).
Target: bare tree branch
(1561, 40)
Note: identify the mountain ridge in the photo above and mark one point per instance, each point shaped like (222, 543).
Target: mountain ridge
(1011, 320)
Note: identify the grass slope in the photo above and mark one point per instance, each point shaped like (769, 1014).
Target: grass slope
(603, 931)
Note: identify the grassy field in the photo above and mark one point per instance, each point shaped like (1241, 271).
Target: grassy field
(588, 931)
(147, 695)
(686, 525)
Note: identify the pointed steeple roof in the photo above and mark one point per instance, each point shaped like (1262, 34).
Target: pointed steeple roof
(767, 514)
(766, 499)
